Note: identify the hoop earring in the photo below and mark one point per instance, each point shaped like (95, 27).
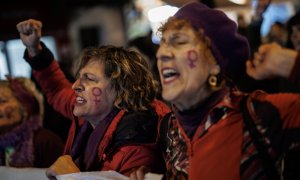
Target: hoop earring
(212, 80)
(215, 82)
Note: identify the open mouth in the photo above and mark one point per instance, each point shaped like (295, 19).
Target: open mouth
(169, 74)
(80, 100)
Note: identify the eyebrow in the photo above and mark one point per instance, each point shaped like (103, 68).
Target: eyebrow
(175, 36)
(84, 74)
(90, 75)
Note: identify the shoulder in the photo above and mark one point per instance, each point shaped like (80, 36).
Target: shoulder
(137, 127)
(134, 129)
(160, 107)
(261, 110)
(282, 101)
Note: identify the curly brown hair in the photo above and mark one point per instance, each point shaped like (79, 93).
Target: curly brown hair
(129, 73)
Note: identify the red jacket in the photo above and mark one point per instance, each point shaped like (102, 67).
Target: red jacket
(220, 147)
(60, 95)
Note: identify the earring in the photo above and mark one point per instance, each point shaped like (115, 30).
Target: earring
(212, 80)
(215, 82)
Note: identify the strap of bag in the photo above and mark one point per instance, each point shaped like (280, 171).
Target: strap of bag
(163, 130)
(259, 143)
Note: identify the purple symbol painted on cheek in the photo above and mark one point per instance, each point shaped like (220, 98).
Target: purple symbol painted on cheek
(97, 93)
(192, 58)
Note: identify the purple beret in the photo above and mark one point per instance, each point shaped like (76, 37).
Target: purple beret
(230, 49)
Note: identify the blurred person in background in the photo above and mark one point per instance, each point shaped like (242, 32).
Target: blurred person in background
(277, 34)
(280, 34)
(23, 140)
(293, 28)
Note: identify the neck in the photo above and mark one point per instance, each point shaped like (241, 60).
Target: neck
(93, 124)
(193, 100)
(95, 121)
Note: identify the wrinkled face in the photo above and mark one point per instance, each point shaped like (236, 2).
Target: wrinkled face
(295, 37)
(94, 95)
(183, 68)
(10, 108)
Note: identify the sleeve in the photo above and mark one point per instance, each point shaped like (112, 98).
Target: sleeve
(40, 61)
(130, 158)
(52, 81)
(287, 105)
(279, 118)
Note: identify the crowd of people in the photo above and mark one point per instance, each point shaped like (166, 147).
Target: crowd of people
(208, 125)
(280, 33)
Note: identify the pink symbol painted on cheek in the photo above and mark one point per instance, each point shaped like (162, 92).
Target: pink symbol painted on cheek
(97, 93)
(192, 58)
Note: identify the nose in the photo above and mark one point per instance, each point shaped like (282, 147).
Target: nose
(164, 53)
(77, 86)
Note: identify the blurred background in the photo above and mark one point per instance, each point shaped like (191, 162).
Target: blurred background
(69, 26)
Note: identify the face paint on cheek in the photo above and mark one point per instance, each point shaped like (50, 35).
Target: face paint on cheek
(97, 93)
(192, 58)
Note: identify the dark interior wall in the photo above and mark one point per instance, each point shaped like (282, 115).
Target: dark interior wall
(56, 13)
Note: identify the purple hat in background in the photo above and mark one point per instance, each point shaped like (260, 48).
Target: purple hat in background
(230, 49)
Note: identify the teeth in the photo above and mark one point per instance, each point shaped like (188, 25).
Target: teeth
(169, 72)
(80, 100)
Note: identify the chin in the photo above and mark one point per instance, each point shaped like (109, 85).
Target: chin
(172, 93)
(76, 113)
(169, 97)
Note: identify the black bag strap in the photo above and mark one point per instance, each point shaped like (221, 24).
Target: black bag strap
(258, 141)
(163, 130)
